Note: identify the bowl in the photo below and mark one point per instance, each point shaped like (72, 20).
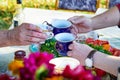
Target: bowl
(61, 62)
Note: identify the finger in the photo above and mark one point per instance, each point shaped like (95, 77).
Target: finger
(37, 34)
(69, 53)
(74, 29)
(34, 28)
(72, 18)
(71, 46)
(34, 39)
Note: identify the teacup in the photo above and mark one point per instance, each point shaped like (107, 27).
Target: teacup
(63, 41)
(36, 47)
(59, 26)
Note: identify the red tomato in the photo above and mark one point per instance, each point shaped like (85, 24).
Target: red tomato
(116, 53)
(89, 40)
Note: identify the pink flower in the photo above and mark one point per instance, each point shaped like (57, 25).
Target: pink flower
(33, 63)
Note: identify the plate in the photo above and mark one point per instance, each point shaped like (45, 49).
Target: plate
(61, 62)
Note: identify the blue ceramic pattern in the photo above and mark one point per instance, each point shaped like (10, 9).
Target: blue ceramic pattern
(62, 48)
(61, 30)
(89, 5)
(63, 40)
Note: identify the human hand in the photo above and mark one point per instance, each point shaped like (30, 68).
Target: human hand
(26, 34)
(80, 24)
(79, 51)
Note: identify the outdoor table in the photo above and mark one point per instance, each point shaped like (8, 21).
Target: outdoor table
(38, 16)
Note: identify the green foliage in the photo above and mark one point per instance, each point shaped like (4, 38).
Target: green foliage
(49, 46)
(8, 7)
(99, 48)
(103, 2)
(5, 19)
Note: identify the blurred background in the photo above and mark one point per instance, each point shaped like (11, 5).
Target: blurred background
(8, 8)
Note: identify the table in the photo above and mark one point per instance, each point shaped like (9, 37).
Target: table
(37, 16)
(34, 16)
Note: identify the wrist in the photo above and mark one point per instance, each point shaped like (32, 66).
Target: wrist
(10, 38)
(89, 61)
(93, 23)
(4, 38)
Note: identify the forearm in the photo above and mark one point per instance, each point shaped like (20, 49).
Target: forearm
(4, 38)
(106, 19)
(106, 62)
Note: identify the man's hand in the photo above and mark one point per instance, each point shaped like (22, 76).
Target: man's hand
(26, 34)
(80, 24)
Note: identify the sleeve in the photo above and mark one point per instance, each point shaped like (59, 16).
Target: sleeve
(118, 6)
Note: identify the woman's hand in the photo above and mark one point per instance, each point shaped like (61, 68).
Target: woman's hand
(79, 51)
(26, 34)
(80, 24)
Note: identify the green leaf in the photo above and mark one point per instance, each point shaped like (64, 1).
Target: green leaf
(49, 46)
(41, 73)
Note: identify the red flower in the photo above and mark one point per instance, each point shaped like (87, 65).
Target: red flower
(79, 73)
(100, 72)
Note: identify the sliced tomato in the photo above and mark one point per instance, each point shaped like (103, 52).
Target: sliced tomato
(89, 40)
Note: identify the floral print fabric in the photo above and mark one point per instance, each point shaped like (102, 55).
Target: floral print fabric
(89, 5)
(113, 3)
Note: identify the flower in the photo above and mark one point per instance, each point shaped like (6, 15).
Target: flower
(79, 73)
(37, 66)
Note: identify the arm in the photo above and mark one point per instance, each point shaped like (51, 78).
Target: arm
(106, 19)
(4, 41)
(82, 24)
(102, 61)
(24, 34)
(107, 63)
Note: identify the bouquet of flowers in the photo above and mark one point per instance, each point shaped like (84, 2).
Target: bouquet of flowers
(37, 67)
